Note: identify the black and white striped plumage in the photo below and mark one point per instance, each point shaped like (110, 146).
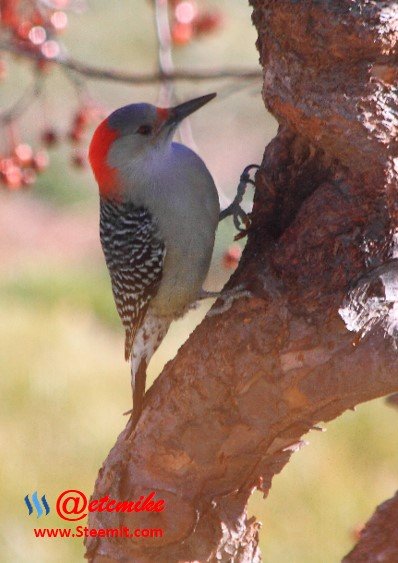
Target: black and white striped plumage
(134, 254)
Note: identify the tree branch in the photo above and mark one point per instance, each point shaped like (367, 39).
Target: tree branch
(379, 538)
(226, 414)
(98, 73)
(19, 107)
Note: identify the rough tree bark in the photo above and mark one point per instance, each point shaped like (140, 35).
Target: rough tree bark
(318, 335)
(379, 539)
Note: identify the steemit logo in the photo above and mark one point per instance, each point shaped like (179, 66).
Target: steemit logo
(38, 506)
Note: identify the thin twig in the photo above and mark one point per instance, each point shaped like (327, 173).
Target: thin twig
(167, 95)
(165, 55)
(22, 104)
(98, 73)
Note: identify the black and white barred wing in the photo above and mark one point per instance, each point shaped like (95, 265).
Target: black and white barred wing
(134, 255)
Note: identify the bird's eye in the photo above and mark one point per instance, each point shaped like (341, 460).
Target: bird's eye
(144, 130)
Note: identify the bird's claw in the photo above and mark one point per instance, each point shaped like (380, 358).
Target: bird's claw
(227, 298)
(240, 217)
(242, 233)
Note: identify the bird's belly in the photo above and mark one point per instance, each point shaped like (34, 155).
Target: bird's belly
(185, 269)
(184, 206)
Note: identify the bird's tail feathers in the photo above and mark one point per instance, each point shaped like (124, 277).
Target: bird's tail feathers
(128, 342)
(131, 332)
(138, 386)
(146, 341)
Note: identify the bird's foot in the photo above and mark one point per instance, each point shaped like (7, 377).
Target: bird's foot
(202, 296)
(240, 217)
(208, 295)
(227, 298)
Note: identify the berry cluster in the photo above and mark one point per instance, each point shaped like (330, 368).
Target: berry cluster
(20, 168)
(21, 163)
(35, 26)
(190, 22)
(81, 122)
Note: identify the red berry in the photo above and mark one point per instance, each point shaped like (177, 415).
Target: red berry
(78, 159)
(37, 18)
(41, 160)
(5, 164)
(9, 15)
(24, 29)
(181, 33)
(356, 532)
(231, 257)
(82, 117)
(43, 66)
(49, 137)
(50, 49)
(207, 22)
(59, 20)
(185, 11)
(13, 178)
(24, 154)
(37, 35)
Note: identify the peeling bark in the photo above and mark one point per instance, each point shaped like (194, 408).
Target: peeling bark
(318, 334)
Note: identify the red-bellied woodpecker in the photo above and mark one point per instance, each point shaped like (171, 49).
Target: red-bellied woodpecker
(159, 211)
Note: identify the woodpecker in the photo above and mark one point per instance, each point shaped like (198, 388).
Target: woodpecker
(159, 211)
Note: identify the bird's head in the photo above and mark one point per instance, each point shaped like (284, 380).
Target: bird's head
(132, 136)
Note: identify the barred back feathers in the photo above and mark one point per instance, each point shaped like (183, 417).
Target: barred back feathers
(134, 255)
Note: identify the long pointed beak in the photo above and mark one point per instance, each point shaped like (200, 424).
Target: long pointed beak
(180, 112)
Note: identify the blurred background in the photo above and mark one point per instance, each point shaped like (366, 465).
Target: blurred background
(64, 383)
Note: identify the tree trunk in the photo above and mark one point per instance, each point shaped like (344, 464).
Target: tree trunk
(379, 538)
(318, 334)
